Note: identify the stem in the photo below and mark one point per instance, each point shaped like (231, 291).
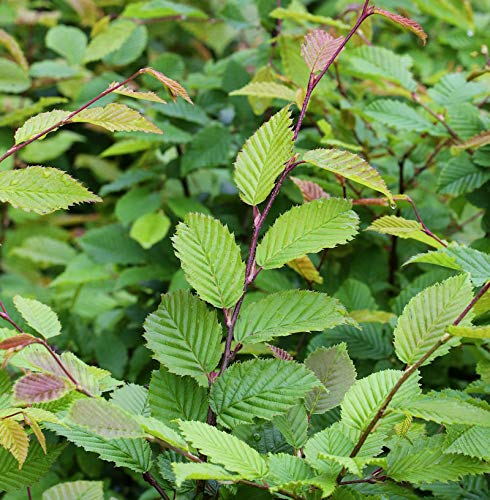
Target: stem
(148, 477)
(406, 374)
(29, 493)
(66, 120)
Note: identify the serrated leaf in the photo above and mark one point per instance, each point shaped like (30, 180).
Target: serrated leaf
(350, 166)
(284, 313)
(426, 317)
(460, 175)
(76, 490)
(263, 158)
(365, 397)
(155, 428)
(187, 471)
(135, 94)
(398, 115)
(150, 228)
(14, 438)
(132, 398)
(405, 22)
(210, 259)
(425, 462)
(41, 387)
(38, 316)
(18, 341)
(402, 228)
(309, 190)
(172, 397)
(42, 190)
(259, 389)
(293, 426)
(39, 123)
(473, 332)
(109, 40)
(298, 13)
(116, 116)
(185, 335)
(468, 440)
(10, 43)
(307, 228)
(104, 419)
(224, 449)
(454, 89)
(174, 87)
(289, 473)
(337, 373)
(305, 268)
(318, 48)
(267, 89)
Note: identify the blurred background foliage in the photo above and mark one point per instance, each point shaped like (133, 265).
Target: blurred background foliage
(103, 267)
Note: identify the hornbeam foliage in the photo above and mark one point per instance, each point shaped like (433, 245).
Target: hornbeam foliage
(249, 309)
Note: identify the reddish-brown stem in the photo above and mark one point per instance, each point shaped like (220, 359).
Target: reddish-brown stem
(148, 477)
(409, 371)
(66, 120)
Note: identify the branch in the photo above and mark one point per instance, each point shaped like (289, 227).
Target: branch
(148, 477)
(409, 371)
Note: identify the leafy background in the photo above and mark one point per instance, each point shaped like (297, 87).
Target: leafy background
(103, 266)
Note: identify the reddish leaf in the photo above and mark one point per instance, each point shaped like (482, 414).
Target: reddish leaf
(310, 190)
(279, 353)
(41, 387)
(407, 23)
(18, 341)
(174, 87)
(318, 48)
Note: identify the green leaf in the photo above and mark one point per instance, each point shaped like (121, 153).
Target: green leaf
(464, 119)
(426, 317)
(336, 372)
(350, 166)
(39, 123)
(13, 438)
(398, 115)
(293, 426)
(402, 228)
(453, 88)
(68, 41)
(109, 40)
(186, 471)
(150, 228)
(184, 335)
(266, 89)
(76, 490)
(444, 410)
(172, 397)
(224, 449)
(161, 8)
(129, 92)
(132, 398)
(161, 431)
(305, 268)
(263, 158)
(468, 440)
(104, 419)
(306, 229)
(283, 313)
(473, 332)
(297, 12)
(460, 175)
(366, 396)
(425, 462)
(210, 259)
(37, 464)
(259, 389)
(13, 78)
(116, 116)
(42, 190)
(38, 316)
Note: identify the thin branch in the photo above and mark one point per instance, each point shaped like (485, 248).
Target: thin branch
(148, 477)
(409, 371)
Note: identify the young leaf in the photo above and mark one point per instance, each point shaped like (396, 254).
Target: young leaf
(350, 166)
(475, 142)
(18, 341)
(402, 228)
(288, 312)
(116, 116)
(10, 43)
(39, 123)
(473, 332)
(267, 89)
(184, 335)
(174, 87)
(306, 229)
(38, 316)
(186, 471)
(158, 429)
(42, 189)
(305, 268)
(14, 438)
(263, 158)
(259, 389)
(293, 426)
(104, 419)
(318, 48)
(129, 92)
(405, 22)
(336, 372)
(150, 228)
(210, 259)
(41, 387)
(224, 449)
(76, 490)
(309, 190)
(427, 316)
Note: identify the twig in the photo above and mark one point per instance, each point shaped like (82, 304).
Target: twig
(148, 477)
